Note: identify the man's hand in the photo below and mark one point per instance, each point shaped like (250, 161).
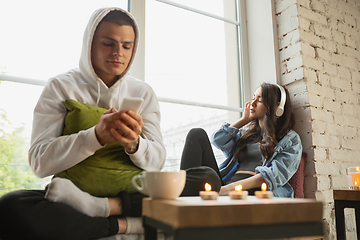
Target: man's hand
(124, 127)
(129, 128)
(106, 123)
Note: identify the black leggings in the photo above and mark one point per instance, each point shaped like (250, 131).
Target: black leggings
(198, 151)
(27, 214)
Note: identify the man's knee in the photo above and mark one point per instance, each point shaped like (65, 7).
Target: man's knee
(7, 203)
(16, 204)
(15, 209)
(8, 211)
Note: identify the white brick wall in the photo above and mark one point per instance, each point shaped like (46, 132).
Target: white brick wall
(319, 44)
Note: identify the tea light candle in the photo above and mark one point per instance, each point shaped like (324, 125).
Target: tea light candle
(238, 193)
(208, 194)
(263, 193)
(354, 178)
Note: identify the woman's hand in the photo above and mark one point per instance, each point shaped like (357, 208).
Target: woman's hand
(246, 114)
(224, 190)
(247, 183)
(246, 118)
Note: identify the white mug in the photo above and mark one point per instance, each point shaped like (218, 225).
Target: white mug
(160, 185)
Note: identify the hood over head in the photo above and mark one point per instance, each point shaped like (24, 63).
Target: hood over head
(85, 64)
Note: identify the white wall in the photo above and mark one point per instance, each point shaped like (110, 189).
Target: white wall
(320, 60)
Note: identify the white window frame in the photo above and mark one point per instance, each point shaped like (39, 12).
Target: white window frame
(259, 45)
(138, 10)
(256, 24)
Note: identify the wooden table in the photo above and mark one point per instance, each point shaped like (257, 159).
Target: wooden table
(346, 198)
(193, 218)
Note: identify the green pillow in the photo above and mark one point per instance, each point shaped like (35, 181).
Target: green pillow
(110, 169)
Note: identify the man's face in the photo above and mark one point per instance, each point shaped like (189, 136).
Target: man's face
(111, 50)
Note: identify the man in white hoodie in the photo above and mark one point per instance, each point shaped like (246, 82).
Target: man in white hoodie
(109, 46)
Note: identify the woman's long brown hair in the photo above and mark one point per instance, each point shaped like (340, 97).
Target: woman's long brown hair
(275, 127)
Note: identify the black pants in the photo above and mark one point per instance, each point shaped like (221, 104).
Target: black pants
(27, 214)
(198, 154)
(198, 151)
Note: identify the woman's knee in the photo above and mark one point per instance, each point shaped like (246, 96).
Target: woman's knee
(197, 177)
(195, 133)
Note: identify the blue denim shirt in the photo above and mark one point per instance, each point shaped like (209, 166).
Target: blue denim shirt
(280, 167)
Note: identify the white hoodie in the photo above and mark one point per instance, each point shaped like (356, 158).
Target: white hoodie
(51, 153)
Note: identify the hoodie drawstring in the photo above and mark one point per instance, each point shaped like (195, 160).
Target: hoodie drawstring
(98, 95)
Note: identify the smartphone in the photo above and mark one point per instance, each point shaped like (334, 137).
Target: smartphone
(131, 103)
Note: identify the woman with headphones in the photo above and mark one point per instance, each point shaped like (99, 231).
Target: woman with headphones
(260, 147)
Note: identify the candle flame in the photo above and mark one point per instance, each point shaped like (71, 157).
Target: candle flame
(355, 183)
(207, 187)
(238, 188)
(263, 186)
(357, 169)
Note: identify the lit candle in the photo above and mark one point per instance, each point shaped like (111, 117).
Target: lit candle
(238, 193)
(263, 193)
(208, 194)
(354, 178)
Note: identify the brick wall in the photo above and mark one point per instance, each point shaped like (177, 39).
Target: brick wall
(319, 43)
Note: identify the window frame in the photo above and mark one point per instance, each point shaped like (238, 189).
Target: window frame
(249, 29)
(138, 10)
(245, 83)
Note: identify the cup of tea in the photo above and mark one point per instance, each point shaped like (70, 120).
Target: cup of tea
(160, 185)
(353, 175)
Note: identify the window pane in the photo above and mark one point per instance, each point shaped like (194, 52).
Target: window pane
(177, 120)
(186, 60)
(185, 53)
(42, 38)
(214, 7)
(15, 130)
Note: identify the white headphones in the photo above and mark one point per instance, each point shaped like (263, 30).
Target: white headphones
(280, 108)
